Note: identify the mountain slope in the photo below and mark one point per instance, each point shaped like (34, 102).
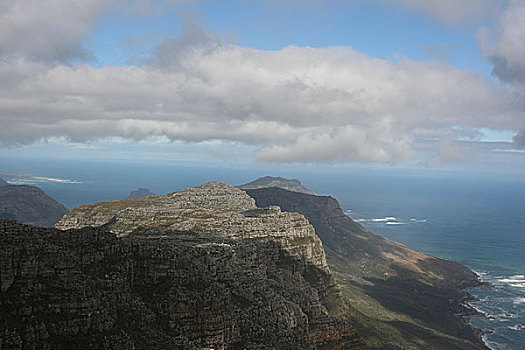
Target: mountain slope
(402, 299)
(3, 183)
(270, 181)
(29, 205)
(140, 193)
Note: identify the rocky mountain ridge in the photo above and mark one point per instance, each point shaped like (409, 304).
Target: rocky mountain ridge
(214, 207)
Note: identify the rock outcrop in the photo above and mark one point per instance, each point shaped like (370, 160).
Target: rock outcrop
(29, 205)
(140, 193)
(271, 181)
(3, 183)
(162, 289)
(214, 207)
(401, 298)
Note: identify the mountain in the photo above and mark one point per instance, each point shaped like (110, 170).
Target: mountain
(162, 289)
(282, 268)
(30, 205)
(140, 193)
(270, 181)
(400, 298)
(3, 183)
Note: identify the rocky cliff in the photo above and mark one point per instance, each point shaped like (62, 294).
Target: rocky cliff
(214, 207)
(401, 298)
(162, 289)
(30, 205)
(271, 181)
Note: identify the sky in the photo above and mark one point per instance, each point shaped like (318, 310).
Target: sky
(380, 83)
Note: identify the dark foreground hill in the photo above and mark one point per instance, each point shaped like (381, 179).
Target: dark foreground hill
(3, 183)
(88, 289)
(401, 298)
(29, 205)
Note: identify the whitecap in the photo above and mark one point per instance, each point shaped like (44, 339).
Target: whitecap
(519, 300)
(386, 219)
(395, 223)
(511, 280)
(517, 327)
(418, 220)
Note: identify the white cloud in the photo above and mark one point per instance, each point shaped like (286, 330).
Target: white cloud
(50, 30)
(452, 12)
(505, 47)
(295, 104)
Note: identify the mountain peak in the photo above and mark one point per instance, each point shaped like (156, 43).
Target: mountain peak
(140, 193)
(281, 182)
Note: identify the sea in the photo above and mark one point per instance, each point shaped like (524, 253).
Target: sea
(474, 218)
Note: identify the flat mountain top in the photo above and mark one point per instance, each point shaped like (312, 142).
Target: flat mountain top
(3, 183)
(271, 181)
(29, 205)
(212, 208)
(140, 193)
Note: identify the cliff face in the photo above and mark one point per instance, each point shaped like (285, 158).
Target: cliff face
(88, 289)
(29, 205)
(402, 299)
(214, 207)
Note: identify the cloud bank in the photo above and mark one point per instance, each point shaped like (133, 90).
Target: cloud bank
(452, 12)
(298, 104)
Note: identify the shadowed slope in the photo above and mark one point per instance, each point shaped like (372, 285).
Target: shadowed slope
(29, 205)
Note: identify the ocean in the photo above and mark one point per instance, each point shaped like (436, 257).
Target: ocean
(474, 219)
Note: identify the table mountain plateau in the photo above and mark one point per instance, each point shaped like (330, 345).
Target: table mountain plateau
(30, 205)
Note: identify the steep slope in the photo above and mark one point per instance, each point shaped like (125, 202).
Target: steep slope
(29, 205)
(402, 299)
(88, 289)
(231, 217)
(3, 183)
(140, 193)
(270, 181)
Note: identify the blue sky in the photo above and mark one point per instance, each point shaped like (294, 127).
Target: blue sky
(405, 83)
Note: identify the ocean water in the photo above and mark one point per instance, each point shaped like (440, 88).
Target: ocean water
(474, 219)
(477, 222)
